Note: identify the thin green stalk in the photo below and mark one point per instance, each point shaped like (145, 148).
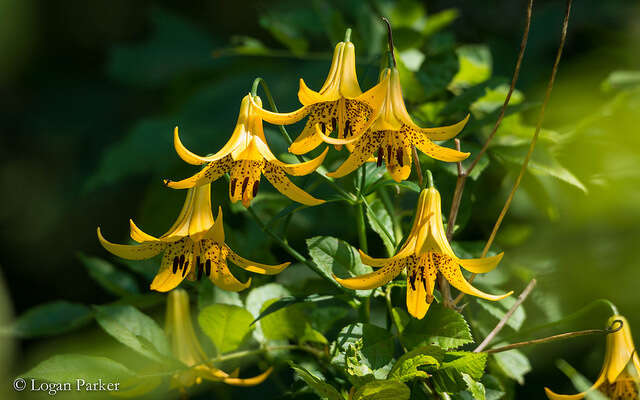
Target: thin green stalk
(347, 35)
(362, 232)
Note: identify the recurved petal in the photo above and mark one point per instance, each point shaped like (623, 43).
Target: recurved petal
(374, 279)
(216, 233)
(452, 273)
(177, 261)
(138, 235)
(442, 132)
(367, 145)
(253, 266)
(554, 396)
(405, 251)
(278, 178)
(132, 252)
(620, 348)
(300, 169)
(323, 114)
(256, 380)
(481, 265)
(308, 97)
(279, 118)
(421, 279)
(215, 267)
(210, 173)
(433, 150)
(185, 153)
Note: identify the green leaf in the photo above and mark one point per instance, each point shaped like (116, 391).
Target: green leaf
(283, 302)
(209, 294)
(115, 281)
(50, 319)
(442, 327)
(542, 163)
(287, 323)
(407, 366)
(513, 364)
(499, 308)
(474, 66)
(440, 66)
(135, 330)
(382, 224)
(336, 256)
(375, 344)
(321, 388)
(258, 296)
(226, 325)
(620, 80)
(475, 388)
(581, 383)
(383, 390)
(390, 182)
(286, 33)
(472, 364)
(70, 367)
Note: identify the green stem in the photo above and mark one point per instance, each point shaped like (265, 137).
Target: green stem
(362, 233)
(395, 223)
(347, 35)
(429, 178)
(571, 317)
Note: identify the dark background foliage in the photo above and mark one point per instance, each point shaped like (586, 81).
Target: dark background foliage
(77, 78)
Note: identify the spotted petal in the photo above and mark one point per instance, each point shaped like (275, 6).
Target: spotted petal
(374, 279)
(278, 178)
(132, 252)
(421, 279)
(210, 173)
(253, 266)
(177, 261)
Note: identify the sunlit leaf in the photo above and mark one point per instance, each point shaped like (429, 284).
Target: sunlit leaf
(70, 367)
(513, 364)
(499, 308)
(475, 66)
(226, 325)
(476, 389)
(621, 80)
(442, 326)
(135, 330)
(383, 390)
(408, 366)
(209, 294)
(322, 389)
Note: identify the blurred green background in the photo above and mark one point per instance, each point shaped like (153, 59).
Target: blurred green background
(90, 93)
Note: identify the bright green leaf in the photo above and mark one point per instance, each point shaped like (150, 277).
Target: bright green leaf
(225, 325)
(442, 327)
(383, 390)
(513, 364)
(70, 367)
(322, 389)
(408, 366)
(476, 389)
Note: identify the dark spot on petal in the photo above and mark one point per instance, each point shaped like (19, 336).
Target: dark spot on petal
(412, 280)
(175, 264)
(245, 182)
(232, 186)
(256, 185)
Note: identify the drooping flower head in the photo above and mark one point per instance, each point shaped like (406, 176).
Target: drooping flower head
(393, 134)
(425, 253)
(339, 106)
(246, 156)
(620, 375)
(194, 246)
(187, 349)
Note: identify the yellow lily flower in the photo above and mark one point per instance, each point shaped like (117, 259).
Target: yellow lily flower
(620, 375)
(246, 156)
(393, 133)
(425, 253)
(187, 349)
(193, 246)
(339, 105)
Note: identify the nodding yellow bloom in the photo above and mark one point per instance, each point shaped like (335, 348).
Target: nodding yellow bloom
(620, 375)
(339, 105)
(392, 135)
(193, 246)
(187, 349)
(246, 156)
(425, 253)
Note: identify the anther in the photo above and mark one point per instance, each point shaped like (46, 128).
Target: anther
(256, 185)
(184, 271)
(232, 186)
(399, 157)
(380, 155)
(323, 127)
(389, 154)
(334, 122)
(347, 128)
(175, 264)
(181, 260)
(244, 184)
(207, 268)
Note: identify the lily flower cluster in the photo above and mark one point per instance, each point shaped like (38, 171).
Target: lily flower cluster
(374, 123)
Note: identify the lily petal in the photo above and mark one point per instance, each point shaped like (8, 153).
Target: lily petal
(554, 396)
(441, 132)
(278, 178)
(452, 273)
(421, 279)
(132, 252)
(405, 251)
(253, 266)
(210, 173)
(620, 348)
(481, 265)
(309, 97)
(245, 180)
(216, 233)
(138, 235)
(256, 380)
(185, 153)
(279, 118)
(215, 267)
(323, 114)
(433, 150)
(300, 169)
(374, 279)
(367, 145)
(177, 261)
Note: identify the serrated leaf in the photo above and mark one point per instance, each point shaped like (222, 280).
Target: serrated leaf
(115, 281)
(375, 344)
(321, 388)
(474, 66)
(135, 330)
(472, 364)
(335, 256)
(442, 327)
(226, 325)
(407, 366)
(49, 319)
(513, 364)
(382, 224)
(476, 389)
(383, 390)
(69, 367)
